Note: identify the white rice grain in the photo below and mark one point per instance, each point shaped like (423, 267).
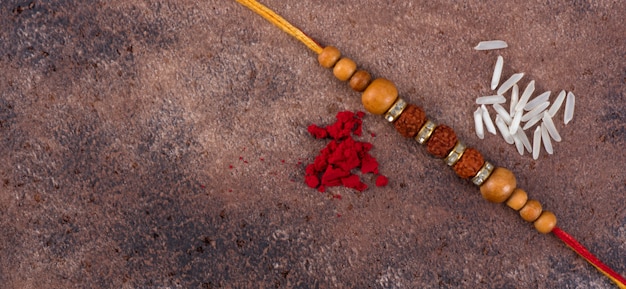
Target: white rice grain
(537, 101)
(487, 120)
(504, 130)
(569, 107)
(478, 123)
(532, 121)
(517, 118)
(514, 99)
(492, 99)
(509, 83)
(545, 138)
(536, 111)
(537, 143)
(549, 124)
(522, 135)
(518, 144)
(503, 113)
(557, 103)
(490, 45)
(497, 72)
(530, 88)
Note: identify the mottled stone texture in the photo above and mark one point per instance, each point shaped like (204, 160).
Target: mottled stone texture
(162, 144)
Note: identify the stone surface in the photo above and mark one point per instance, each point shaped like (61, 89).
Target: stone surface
(162, 144)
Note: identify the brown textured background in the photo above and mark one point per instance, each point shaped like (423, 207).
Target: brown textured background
(120, 121)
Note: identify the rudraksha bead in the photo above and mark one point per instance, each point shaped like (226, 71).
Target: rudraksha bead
(442, 141)
(410, 121)
(469, 164)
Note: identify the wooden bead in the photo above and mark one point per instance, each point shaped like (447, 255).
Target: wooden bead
(344, 69)
(360, 80)
(329, 56)
(470, 163)
(546, 222)
(517, 200)
(379, 96)
(531, 211)
(441, 141)
(499, 186)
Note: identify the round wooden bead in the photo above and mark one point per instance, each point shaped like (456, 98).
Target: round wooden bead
(531, 211)
(344, 69)
(517, 200)
(410, 121)
(546, 222)
(360, 80)
(470, 163)
(499, 186)
(441, 141)
(379, 96)
(329, 56)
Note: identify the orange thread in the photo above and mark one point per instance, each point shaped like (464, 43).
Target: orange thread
(281, 23)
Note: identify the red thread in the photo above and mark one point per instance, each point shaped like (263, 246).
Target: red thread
(582, 251)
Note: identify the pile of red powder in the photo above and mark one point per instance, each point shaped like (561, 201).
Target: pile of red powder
(334, 165)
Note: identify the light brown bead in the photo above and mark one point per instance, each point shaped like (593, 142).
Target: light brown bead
(531, 211)
(360, 80)
(329, 56)
(379, 96)
(517, 200)
(499, 186)
(546, 222)
(344, 69)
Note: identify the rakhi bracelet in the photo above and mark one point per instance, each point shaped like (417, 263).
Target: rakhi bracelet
(380, 97)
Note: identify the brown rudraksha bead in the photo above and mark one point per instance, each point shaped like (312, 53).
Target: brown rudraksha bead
(410, 121)
(469, 164)
(441, 141)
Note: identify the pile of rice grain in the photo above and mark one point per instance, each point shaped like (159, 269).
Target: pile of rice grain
(524, 112)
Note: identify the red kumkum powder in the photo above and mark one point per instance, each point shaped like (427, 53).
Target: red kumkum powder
(334, 165)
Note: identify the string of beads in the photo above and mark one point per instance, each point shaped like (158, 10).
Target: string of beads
(380, 97)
